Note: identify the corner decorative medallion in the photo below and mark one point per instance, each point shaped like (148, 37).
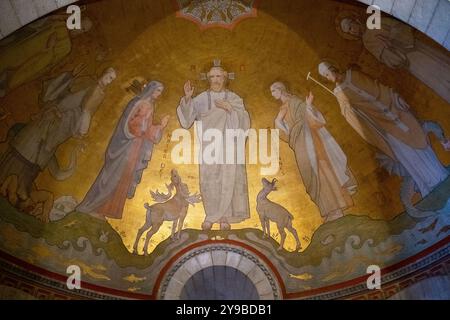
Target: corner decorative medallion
(216, 13)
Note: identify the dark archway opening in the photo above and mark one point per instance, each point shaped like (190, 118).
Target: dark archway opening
(219, 283)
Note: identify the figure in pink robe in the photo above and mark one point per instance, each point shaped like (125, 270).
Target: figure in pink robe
(127, 156)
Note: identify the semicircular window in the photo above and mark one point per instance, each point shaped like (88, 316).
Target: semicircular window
(219, 283)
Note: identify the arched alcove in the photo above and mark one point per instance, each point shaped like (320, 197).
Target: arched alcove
(219, 271)
(219, 283)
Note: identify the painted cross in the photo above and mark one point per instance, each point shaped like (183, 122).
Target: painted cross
(217, 63)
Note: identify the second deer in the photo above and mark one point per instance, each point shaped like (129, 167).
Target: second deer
(271, 211)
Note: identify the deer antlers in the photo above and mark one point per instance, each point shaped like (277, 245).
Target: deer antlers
(161, 197)
(193, 199)
(184, 191)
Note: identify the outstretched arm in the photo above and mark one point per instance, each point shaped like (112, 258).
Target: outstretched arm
(315, 118)
(186, 110)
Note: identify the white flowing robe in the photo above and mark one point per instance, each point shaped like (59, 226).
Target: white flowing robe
(320, 160)
(384, 120)
(223, 186)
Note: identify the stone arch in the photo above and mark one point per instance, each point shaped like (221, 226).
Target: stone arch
(219, 283)
(228, 255)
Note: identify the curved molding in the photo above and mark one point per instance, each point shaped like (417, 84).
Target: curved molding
(432, 17)
(43, 284)
(434, 288)
(219, 255)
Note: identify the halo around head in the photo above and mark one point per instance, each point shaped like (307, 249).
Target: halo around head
(342, 15)
(218, 65)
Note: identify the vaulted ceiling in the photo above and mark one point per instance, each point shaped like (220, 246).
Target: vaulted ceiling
(431, 16)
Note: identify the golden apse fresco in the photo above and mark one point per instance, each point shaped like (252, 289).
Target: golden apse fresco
(290, 127)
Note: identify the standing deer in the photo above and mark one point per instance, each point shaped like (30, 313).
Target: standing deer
(271, 211)
(167, 208)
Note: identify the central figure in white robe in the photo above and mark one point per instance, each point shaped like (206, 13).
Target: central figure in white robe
(223, 186)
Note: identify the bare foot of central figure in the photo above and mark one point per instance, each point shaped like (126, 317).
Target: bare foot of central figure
(225, 226)
(206, 226)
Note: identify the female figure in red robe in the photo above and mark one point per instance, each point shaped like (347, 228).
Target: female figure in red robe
(127, 156)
